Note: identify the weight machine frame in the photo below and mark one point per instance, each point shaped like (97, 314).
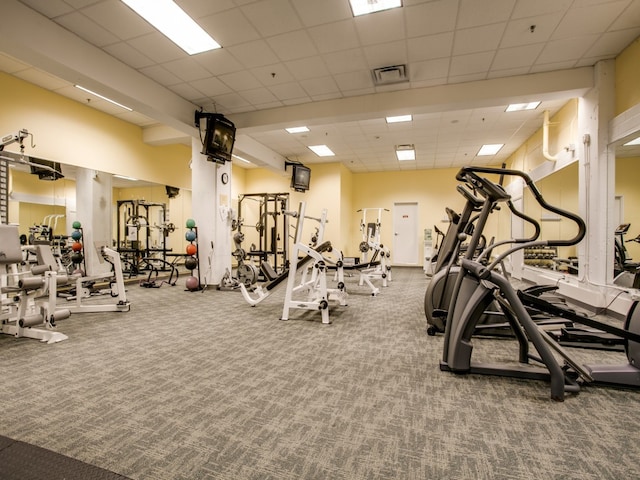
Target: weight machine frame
(134, 254)
(272, 205)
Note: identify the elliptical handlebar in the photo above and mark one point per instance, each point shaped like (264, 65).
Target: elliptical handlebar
(528, 219)
(490, 188)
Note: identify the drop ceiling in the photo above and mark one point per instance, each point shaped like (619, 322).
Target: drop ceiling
(287, 63)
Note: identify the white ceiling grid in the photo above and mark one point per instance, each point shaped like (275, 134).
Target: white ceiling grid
(284, 53)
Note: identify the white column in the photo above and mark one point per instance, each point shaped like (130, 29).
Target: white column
(596, 176)
(210, 208)
(93, 211)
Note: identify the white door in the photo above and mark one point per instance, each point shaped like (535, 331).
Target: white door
(405, 234)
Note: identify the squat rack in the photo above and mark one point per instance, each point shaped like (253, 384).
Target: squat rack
(272, 227)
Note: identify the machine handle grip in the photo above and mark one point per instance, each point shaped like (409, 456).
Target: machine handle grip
(582, 228)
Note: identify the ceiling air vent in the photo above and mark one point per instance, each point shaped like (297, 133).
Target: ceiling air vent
(389, 75)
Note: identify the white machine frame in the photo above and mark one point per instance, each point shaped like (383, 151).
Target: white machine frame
(28, 298)
(315, 291)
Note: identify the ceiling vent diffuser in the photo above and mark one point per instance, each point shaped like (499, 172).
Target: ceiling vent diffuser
(390, 75)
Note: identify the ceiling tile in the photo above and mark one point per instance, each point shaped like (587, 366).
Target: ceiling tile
(115, 17)
(353, 80)
(231, 101)
(630, 18)
(313, 12)
(566, 49)
(292, 45)
(187, 69)
(335, 36)
(473, 13)
(393, 53)
(49, 8)
(430, 46)
(431, 18)
(129, 55)
(288, 91)
(186, 91)
(527, 8)
(270, 75)
(307, 68)
(319, 86)
(345, 61)
(381, 27)
(429, 70)
(161, 75)
(198, 9)
(218, 61)
(608, 45)
(240, 81)
(478, 39)
(229, 28)
(272, 17)
(87, 29)
(210, 87)
(516, 57)
(253, 54)
(472, 63)
(157, 47)
(518, 32)
(258, 96)
(588, 20)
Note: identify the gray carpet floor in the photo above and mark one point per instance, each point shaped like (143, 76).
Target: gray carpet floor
(199, 385)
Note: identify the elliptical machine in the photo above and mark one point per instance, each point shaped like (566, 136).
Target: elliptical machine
(439, 290)
(478, 285)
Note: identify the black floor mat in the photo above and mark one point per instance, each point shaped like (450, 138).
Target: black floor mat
(22, 461)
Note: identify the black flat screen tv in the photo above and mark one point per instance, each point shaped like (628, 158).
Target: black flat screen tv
(300, 178)
(219, 138)
(45, 169)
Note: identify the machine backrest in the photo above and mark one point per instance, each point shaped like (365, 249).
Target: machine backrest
(10, 251)
(44, 254)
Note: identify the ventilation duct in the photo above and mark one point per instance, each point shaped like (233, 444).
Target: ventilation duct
(390, 75)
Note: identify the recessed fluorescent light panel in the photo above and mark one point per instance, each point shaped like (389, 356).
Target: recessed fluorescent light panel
(175, 24)
(297, 129)
(240, 158)
(103, 98)
(399, 118)
(362, 7)
(635, 141)
(405, 152)
(490, 149)
(518, 107)
(124, 177)
(321, 150)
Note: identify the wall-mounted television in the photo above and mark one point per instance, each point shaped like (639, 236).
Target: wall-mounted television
(45, 169)
(219, 138)
(300, 177)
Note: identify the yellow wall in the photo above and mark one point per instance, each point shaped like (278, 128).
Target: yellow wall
(627, 185)
(627, 75)
(561, 187)
(563, 130)
(433, 190)
(325, 193)
(48, 198)
(561, 190)
(69, 132)
(177, 210)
